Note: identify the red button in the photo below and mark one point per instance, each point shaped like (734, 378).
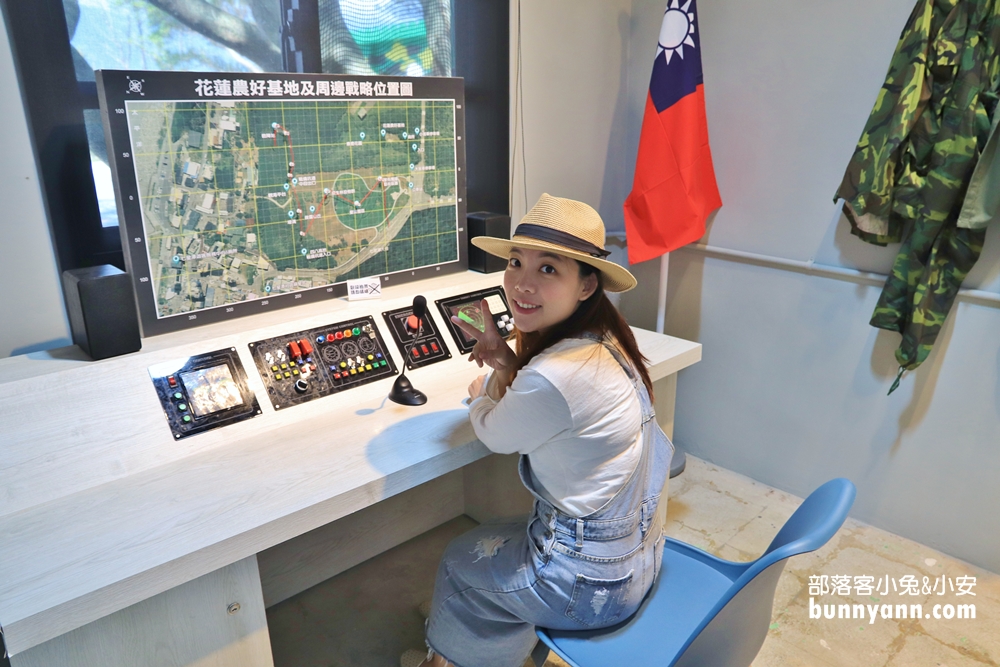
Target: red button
(416, 353)
(434, 346)
(307, 348)
(293, 347)
(339, 335)
(424, 348)
(336, 376)
(329, 338)
(172, 381)
(412, 322)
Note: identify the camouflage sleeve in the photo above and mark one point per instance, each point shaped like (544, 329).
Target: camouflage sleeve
(871, 174)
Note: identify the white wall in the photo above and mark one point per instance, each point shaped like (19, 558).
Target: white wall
(791, 389)
(574, 78)
(32, 316)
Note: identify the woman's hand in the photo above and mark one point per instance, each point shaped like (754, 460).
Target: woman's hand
(478, 387)
(490, 349)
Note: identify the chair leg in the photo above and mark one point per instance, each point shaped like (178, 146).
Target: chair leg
(540, 654)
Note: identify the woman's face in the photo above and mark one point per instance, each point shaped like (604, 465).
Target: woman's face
(544, 288)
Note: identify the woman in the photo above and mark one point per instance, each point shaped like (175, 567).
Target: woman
(575, 402)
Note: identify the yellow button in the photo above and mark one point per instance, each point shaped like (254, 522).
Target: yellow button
(291, 363)
(274, 368)
(361, 369)
(295, 371)
(287, 375)
(370, 357)
(284, 366)
(343, 364)
(277, 376)
(368, 367)
(354, 371)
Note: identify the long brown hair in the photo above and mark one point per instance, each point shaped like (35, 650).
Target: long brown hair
(596, 315)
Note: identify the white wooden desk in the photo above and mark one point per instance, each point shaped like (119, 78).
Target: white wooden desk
(122, 546)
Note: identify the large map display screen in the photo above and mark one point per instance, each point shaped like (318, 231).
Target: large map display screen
(248, 202)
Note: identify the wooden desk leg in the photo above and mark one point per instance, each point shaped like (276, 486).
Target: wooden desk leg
(188, 626)
(664, 401)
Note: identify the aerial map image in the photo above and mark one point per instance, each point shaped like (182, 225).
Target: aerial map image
(242, 200)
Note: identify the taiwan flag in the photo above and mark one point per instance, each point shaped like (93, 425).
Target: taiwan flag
(674, 189)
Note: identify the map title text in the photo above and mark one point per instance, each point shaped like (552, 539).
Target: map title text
(286, 88)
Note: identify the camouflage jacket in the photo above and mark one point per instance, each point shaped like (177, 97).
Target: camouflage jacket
(910, 171)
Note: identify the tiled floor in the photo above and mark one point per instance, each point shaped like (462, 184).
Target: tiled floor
(367, 616)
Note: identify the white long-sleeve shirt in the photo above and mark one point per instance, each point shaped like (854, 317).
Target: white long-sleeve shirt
(574, 412)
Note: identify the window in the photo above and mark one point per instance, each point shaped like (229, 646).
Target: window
(58, 43)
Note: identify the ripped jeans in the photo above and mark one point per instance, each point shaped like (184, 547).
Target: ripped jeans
(498, 581)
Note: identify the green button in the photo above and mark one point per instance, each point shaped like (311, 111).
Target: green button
(178, 395)
(383, 362)
(182, 406)
(187, 418)
(356, 331)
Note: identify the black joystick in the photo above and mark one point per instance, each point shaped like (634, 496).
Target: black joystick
(301, 386)
(402, 391)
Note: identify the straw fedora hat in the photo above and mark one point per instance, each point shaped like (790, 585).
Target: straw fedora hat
(564, 227)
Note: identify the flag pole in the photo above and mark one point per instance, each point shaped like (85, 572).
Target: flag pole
(661, 301)
(679, 460)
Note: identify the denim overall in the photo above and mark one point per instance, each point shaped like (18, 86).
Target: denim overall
(500, 580)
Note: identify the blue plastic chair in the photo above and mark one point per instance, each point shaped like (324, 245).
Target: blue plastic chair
(704, 611)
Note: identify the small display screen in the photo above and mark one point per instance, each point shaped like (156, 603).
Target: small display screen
(468, 308)
(471, 313)
(211, 390)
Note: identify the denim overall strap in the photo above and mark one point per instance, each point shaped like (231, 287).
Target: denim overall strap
(633, 507)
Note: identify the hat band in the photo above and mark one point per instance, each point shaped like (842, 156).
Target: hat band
(558, 237)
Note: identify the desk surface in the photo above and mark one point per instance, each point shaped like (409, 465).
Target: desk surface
(100, 507)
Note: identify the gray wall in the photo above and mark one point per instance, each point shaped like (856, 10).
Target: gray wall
(31, 307)
(792, 387)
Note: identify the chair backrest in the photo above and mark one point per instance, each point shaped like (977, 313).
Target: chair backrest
(733, 632)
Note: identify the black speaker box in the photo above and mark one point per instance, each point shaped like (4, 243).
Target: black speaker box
(484, 223)
(101, 308)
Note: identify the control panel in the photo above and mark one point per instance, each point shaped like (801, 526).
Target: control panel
(203, 392)
(304, 365)
(467, 307)
(419, 340)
